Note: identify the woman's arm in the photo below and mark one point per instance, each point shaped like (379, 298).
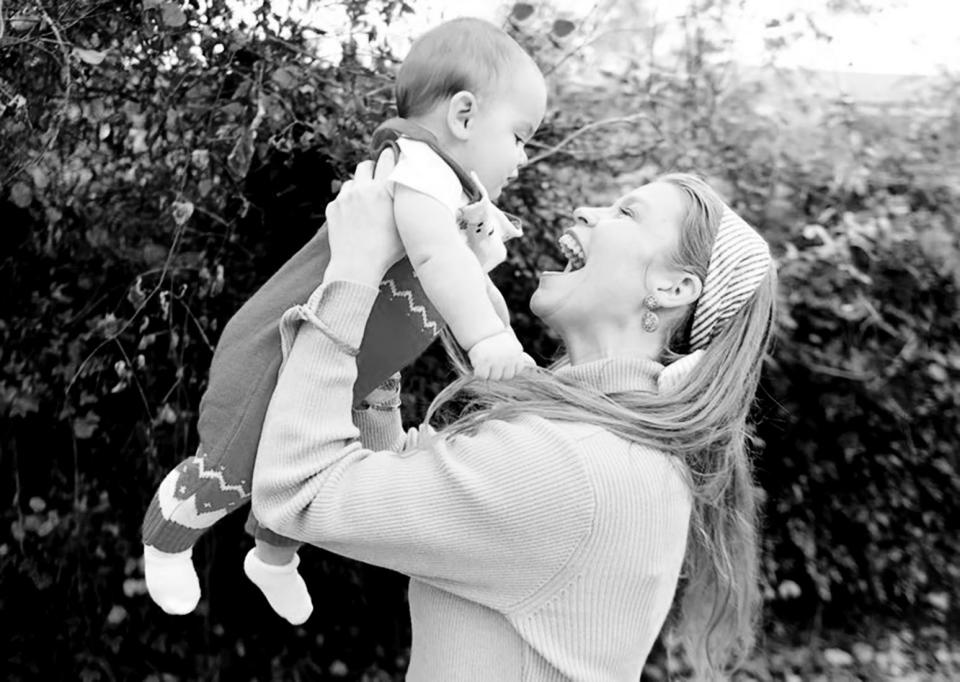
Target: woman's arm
(491, 517)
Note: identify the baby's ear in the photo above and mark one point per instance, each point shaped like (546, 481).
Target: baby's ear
(461, 112)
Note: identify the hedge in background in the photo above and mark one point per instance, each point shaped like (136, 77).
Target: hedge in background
(152, 185)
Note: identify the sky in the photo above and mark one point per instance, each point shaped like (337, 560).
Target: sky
(900, 37)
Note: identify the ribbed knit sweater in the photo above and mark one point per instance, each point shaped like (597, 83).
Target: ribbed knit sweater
(537, 550)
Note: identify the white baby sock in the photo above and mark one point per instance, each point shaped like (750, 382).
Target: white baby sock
(171, 579)
(282, 586)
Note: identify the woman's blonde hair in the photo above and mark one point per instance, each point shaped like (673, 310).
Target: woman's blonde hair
(703, 423)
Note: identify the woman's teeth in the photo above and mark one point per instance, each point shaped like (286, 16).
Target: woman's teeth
(572, 251)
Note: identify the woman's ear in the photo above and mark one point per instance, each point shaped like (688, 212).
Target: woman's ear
(461, 113)
(682, 289)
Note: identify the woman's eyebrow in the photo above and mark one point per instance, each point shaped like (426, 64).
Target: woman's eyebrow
(632, 200)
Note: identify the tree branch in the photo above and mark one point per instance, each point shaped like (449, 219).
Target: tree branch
(590, 126)
(586, 43)
(58, 117)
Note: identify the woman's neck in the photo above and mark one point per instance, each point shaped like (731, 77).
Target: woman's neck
(598, 342)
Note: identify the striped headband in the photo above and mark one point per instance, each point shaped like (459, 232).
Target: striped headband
(739, 261)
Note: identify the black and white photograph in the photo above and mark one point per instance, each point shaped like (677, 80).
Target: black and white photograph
(480, 341)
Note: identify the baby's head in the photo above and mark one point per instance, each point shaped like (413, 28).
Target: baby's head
(475, 88)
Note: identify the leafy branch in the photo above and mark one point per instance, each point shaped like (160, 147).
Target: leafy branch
(615, 120)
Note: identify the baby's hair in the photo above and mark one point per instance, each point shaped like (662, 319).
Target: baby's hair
(461, 54)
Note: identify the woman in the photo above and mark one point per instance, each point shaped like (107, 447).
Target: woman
(546, 530)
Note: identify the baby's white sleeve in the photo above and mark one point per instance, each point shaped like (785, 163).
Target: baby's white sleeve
(421, 169)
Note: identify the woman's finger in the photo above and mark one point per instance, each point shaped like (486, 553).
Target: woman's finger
(385, 164)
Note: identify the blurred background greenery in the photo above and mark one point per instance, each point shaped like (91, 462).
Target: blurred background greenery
(160, 159)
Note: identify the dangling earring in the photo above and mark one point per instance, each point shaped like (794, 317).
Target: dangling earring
(650, 321)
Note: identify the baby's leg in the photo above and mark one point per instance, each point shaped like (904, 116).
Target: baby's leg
(190, 499)
(272, 566)
(274, 555)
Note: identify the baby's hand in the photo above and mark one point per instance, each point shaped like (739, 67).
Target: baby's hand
(416, 435)
(499, 357)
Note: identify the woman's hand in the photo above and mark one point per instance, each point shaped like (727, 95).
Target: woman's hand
(363, 235)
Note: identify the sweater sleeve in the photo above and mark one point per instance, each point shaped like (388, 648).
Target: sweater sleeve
(378, 417)
(491, 516)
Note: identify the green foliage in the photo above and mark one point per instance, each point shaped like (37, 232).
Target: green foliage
(157, 162)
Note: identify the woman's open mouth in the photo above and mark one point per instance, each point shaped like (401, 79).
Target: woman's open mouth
(572, 251)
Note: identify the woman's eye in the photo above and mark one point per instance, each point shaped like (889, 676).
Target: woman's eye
(519, 140)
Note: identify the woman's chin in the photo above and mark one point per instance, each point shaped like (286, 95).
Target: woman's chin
(539, 307)
(549, 295)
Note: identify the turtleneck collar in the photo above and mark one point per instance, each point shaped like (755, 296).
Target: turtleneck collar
(614, 375)
(622, 374)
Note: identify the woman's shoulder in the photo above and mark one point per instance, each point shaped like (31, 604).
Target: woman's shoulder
(617, 467)
(534, 457)
(584, 464)
(536, 439)
(577, 442)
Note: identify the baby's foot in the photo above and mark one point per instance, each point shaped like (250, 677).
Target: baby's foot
(282, 586)
(171, 579)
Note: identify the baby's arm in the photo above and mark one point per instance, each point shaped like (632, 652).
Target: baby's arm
(453, 279)
(497, 301)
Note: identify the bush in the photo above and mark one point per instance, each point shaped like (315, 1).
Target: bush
(158, 165)
(861, 453)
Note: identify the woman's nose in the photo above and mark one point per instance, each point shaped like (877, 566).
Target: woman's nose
(585, 215)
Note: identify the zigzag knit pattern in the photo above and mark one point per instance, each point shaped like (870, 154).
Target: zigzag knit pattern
(190, 499)
(209, 482)
(415, 308)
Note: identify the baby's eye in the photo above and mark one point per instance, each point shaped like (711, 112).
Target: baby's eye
(624, 211)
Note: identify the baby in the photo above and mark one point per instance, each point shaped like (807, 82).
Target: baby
(468, 99)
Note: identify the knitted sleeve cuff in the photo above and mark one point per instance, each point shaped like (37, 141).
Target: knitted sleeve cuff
(384, 397)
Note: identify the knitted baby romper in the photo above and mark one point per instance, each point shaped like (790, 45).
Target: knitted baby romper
(206, 487)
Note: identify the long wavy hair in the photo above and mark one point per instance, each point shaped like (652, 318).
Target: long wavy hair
(704, 423)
